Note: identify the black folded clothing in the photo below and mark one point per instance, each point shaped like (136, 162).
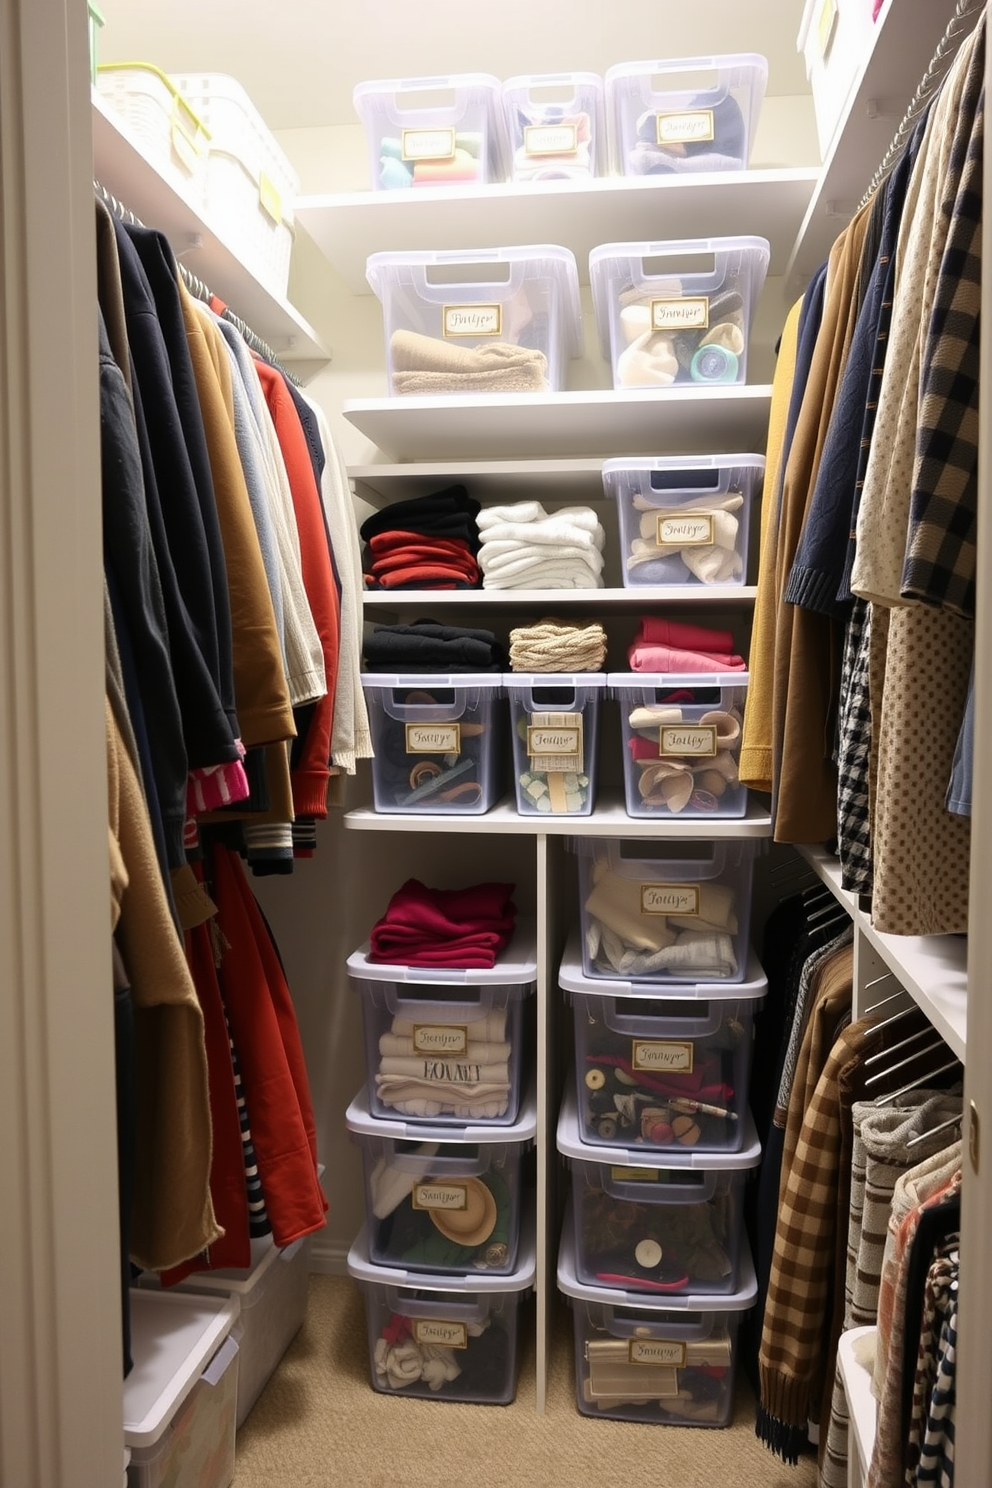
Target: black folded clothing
(426, 646)
(448, 513)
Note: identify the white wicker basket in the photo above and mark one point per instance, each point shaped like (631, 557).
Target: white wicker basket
(166, 126)
(249, 185)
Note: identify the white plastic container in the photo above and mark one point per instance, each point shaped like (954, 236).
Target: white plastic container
(555, 126)
(677, 313)
(168, 129)
(682, 744)
(684, 115)
(835, 37)
(554, 725)
(438, 741)
(429, 1015)
(486, 320)
(433, 131)
(667, 912)
(441, 1200)
(249, 185)
(684, 519)
(667, 1360)
(661, 1069)
(647, 1228)
(181, 1395)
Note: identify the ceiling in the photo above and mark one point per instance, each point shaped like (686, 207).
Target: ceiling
(300, 59)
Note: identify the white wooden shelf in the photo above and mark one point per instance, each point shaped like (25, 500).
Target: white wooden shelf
(590, 599)
(933, 969)
(578, 214)
(610, 819)
(487, 480)
(604, 422)
(861, 1405)
(120, 166)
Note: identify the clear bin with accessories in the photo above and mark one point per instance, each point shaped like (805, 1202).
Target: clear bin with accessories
(556, 127)
(684, 115)
(486, 320)
(684, 519)
(682, 743)
(433, 131)
(438, 741)
(443, 1337)
(431, 1035)
(677, 313)
(665, 1229)
(166, 126)
(661, 1069)
(666, 1360)
(441, 1200)
(554, 725)
(665, 912)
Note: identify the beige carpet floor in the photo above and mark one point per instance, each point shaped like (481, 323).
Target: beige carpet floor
(319, 1424)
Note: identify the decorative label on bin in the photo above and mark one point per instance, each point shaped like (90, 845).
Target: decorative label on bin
(441, 1332)
(440, 1038)
(446, 1196)
(825, 26)
(682, 530)
(683, 314)
(269, 199)
(635, 1175)
(686, 128)
(657, 1351)
(554, 742)
(433, 738)
(669, 899)
(668, 1056)
(551, 139)
(428, 144)
(687, 739)
(472, 320)
(448, 1071)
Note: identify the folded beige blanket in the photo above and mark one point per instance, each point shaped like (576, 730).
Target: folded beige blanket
(428, 365)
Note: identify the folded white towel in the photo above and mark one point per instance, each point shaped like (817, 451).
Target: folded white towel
(552, 532)
(516, 559)
(533, 511)
(547, 576)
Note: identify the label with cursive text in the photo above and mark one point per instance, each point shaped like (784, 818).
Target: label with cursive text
(690, 127)
(440, 1333)
(684, 531)
(684, 314)
(550, 139)
(669, 899)
(472, 320)
(440, 1038)
(433, 738)
(428, 144)
(445, 1196)
(666, 1056)
(697, 740)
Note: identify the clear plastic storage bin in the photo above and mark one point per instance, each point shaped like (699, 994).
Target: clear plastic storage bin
(661, 1069)
(436, 131)
(662, 1230)
(681, 116)
(684, 519)
(681, 743)
(166, 126)
(555, 126)
(486, 320)
(440, 1200)
(431, 1034)
(443, 1338)
(677, 313)
(554, 724)
(667, 911)
(666, 1360)
(437, 740)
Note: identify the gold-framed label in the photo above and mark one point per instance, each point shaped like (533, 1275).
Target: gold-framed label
(664, 1056)
(433, 738)
(443, 1196)
(471, 320)
(440, 1332)
(635, 1175)
(427, 144)
(669, 899)
(440, 1038)
(697, 741)
(551, 139)
(694, 126)
(684, 529)
(686, 313)
(657, 1351)
(555, 746)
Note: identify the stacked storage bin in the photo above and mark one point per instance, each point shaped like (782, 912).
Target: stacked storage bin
(446, 1254)
(437, 741)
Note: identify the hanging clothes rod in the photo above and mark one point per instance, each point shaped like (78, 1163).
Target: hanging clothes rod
(199, 290)
(961, 24)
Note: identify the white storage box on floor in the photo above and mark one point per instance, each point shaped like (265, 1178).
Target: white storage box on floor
(554, 723)
(181, 1395)
(685, 115)
(556, 126)
(444, 1337)
(667, 1360)
(441, 1199)
(419, 1020)
(436, 131)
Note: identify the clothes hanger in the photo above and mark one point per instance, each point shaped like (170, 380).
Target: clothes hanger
(884, 1100)
(934, 1130)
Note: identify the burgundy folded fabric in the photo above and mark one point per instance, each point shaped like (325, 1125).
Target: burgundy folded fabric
(682, 635)
(424, 576)
(444, 927)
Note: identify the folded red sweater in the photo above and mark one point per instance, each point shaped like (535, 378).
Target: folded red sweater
(682, 635)
(444, 927)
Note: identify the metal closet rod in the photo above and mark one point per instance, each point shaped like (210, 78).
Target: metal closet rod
(947, 48)
(198, 289)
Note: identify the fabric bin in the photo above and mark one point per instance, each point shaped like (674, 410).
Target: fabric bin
(434, 131)
(419, 1020)
(666, 1072)
(681, 743)
(487, 320)
(677, 313)
(556, 127)
(180, 1398)
(684, 519)
(441, 1200)
(437, 741)
(167, 128)
(249, 186)
(666, 911)
(554, 725)
(835, 38)
(681, 116)
(443, 1338)
(666, 1360)
(661, 1230)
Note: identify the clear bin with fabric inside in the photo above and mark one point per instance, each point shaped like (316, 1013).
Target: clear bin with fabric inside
(684, 115)
(438, 741)
(556, 127)
(433, 131)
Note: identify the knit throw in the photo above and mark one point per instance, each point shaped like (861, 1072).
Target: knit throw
(551, 646)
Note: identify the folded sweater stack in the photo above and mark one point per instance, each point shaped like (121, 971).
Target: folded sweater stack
(426, 365)
(425, 646)
(429, 542)
(525, 547)
(444, 927)
(471, 1086)
(675, 646)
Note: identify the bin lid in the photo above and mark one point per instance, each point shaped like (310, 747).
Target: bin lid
(517, 964)
(453, 680)
(570, 1145)
(358, 1118)
(520, 1280)
(572, 680)
(571, 978)
(662, 681)
(173, 1336)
